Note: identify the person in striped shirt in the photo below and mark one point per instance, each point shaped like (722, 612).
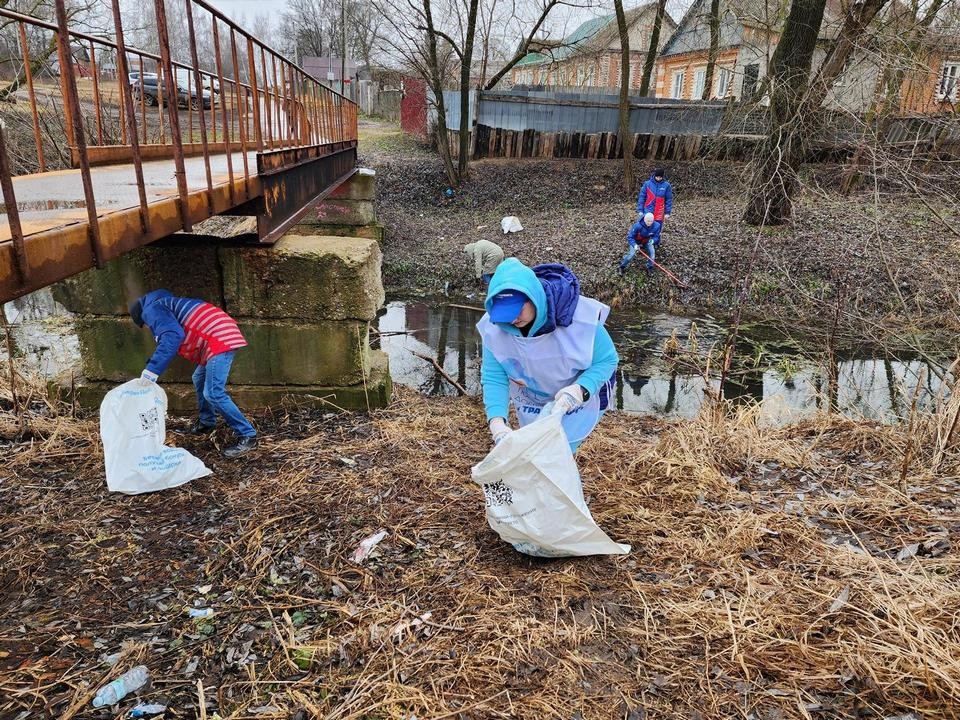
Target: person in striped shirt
(208, 337)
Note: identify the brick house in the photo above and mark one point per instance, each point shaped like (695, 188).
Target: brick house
(933, 85)
(750, 30)
(591, 56)
(748, 35)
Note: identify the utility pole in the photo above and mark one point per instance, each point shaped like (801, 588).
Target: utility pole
(343, 46)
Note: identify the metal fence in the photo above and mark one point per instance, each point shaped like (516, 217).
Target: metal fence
(585, 112)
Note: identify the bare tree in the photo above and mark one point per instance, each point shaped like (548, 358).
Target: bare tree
(796, 100)
(305, 25)
(466, 63)
(714, 23)
(653, 49)
(365, 28)
(626, 136)
(774, 181)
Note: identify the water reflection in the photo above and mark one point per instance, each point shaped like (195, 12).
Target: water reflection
(790, 385)
(42, 335)
(444, 332)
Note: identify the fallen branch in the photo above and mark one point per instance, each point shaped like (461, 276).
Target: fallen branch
(443, 373)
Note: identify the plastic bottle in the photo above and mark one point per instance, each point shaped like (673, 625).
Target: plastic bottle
(129, 682)
(200, 612)
(141, 711)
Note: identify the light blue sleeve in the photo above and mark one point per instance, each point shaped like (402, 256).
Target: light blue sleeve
(496, 386)
(605, 361)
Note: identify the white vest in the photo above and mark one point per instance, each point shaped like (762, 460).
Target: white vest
(538, 367)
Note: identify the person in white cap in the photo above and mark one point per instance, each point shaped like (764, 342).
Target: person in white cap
(646, 232)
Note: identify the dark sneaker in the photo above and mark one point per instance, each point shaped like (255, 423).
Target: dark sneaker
(241, 447)
(198, 428)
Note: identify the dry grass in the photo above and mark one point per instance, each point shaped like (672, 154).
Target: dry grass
(764, 580)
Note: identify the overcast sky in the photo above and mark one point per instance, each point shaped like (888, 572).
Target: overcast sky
(239, 10)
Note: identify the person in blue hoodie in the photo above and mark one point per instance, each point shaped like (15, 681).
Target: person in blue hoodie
(644, 232)
(544, 342)
(656, 196)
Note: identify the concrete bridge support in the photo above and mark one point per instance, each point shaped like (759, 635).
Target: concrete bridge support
(304, 305)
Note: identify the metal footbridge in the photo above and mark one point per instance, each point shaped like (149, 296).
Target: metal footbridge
(130, 146)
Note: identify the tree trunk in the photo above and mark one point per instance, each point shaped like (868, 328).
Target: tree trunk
(774, 181)
(466, 62)
(653, 49)
(485, 58)
(436, 85)
(714, 48)
(626, 136)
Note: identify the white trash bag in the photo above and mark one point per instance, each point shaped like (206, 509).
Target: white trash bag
(133, 427)
(511, 223)
(534, 496)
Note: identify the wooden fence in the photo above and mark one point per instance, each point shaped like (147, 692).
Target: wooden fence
(493, 142)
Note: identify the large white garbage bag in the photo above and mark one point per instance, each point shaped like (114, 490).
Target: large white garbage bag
(132, 427)
(534, 495)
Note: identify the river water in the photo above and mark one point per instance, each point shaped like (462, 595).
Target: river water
(789, 380)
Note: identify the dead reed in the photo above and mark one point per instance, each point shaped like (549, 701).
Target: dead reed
(775, 573)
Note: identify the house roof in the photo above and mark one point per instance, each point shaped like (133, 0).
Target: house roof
(693, 32)
(590, 36)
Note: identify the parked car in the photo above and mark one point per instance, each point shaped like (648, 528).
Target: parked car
(186, 78)
(152, 92)
(134, 75)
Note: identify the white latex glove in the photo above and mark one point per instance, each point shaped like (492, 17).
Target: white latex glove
(499, 430)
(146, 378)
(567, 399)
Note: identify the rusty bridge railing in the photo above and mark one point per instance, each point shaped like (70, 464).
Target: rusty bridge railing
(235, 97)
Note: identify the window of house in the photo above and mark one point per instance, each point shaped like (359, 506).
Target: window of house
(590, 76)
(699, 82)
(677, 89)
(581, 74)
(949, 80)
(722, 88)
(751, 74)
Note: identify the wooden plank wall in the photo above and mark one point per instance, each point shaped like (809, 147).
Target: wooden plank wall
(493, 142)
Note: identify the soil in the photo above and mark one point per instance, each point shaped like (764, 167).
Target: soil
(883, 250)
(774, 573)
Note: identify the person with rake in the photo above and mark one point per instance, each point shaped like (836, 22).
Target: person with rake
(208, 337)
(645, 231)
(544, 342)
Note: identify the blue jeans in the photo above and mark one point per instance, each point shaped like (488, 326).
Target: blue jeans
(651, 250)
(210, 382)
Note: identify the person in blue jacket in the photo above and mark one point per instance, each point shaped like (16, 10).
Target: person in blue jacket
(544, 342)
(644, 232)
(656, 196)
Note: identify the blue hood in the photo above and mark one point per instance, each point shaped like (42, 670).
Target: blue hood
(154, 295)
(138, 305)
(553, 289)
